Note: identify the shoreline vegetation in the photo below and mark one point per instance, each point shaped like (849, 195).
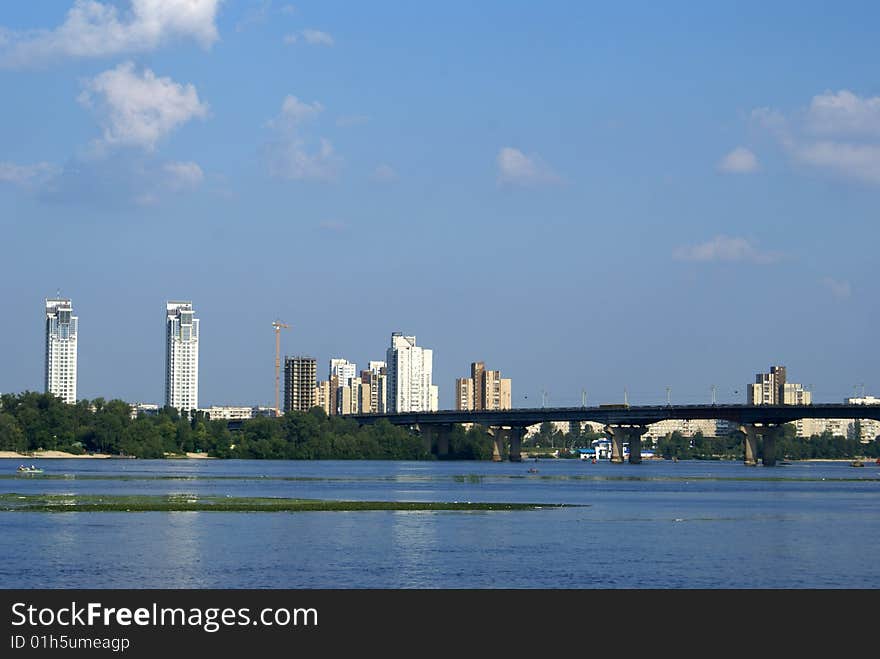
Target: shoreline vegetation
(37, 426)
(61, 455)
(64, 455)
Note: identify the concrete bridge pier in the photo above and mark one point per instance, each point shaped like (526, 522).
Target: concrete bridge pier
(631, 434)
(436, 435)
(768, 454)
(506, 435)
(516, 436)
(768, 433)
(750, 443)
(427, 435)
(500, 435)
(635, 443)
(442, 434)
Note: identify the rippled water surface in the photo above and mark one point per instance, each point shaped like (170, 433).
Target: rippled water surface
(655, 525)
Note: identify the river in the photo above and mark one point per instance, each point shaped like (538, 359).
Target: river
(688, 524)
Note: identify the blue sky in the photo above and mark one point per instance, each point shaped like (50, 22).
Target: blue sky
(585, 196)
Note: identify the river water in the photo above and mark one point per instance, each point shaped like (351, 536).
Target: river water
(660, 524)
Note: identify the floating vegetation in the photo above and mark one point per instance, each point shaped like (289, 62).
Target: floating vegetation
(195, 503)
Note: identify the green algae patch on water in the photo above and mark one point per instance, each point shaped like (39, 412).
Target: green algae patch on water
(195, 503)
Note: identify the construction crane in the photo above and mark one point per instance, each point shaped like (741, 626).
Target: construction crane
(277, 326)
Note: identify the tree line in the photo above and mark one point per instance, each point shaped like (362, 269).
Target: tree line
(33, 422)
(825, 446)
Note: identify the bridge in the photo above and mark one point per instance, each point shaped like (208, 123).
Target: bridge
(624, 423)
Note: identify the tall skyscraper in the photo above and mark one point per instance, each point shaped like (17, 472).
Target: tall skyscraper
(409, 376)
(181, 356)
(300, 379)
(61, 334)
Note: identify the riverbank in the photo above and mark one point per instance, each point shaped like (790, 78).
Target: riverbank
(50, 454)
(40, 455)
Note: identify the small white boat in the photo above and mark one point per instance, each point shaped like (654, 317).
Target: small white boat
(24, 469)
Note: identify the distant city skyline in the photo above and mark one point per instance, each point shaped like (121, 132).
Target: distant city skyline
(181, 373)
(588, 197)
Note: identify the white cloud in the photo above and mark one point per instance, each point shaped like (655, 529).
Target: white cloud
(725, 248)
(317, 38)
(309, 36)
(515, 167)
(384, 174)
(837, 288)
(769, 118)
(98, 29)
(139, 109)
(861, 161)
(838, 133)
(289, 155)
(294, 112)
(183, 175)
(739, 161)
(27, 176)
(844, 113)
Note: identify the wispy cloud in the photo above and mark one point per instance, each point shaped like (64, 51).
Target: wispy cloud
(139, 109)
(384, 174)
(183, 175)
(256, 15)
(516, 168)
(839, 133)
(739, 161)
(860, 161)
(290, 155)
(725, 248)
(100, 29)
(310, 37)
(839, 289)
(27, 176)
(119, 180)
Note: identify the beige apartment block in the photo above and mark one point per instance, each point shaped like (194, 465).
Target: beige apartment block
(484, 390)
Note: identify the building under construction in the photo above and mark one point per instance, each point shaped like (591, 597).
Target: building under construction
(300, 378)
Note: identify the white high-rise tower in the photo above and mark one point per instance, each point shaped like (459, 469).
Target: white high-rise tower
(181, 356)
(409, 376)
(61, 331)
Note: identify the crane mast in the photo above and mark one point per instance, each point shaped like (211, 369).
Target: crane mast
(277, 326)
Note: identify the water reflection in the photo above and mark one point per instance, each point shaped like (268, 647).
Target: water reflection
(655, 525)
(414, 548)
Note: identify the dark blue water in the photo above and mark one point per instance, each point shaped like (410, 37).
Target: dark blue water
(655, 525)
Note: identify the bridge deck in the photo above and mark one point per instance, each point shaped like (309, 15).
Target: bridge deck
(631, 415)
